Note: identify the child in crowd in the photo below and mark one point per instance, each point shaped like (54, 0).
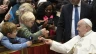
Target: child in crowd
(27, 21)
(10, 40)
(7, 16)
(23, 8)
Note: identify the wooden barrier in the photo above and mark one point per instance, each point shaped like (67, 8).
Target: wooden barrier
(39, 48)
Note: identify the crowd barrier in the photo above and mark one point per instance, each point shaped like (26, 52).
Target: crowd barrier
(39, 48)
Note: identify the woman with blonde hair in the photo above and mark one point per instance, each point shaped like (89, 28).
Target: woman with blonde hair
(22, 8)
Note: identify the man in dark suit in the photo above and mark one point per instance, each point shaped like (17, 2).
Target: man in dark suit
(66, 25)
(94, 15)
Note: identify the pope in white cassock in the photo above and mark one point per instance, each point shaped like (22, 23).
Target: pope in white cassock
(84, 43)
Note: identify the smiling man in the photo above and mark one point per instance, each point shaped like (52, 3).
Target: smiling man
(84, 43)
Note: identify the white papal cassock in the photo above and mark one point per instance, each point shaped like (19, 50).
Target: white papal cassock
(77, 45)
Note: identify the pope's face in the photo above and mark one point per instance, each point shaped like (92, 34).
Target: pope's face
(82, 28)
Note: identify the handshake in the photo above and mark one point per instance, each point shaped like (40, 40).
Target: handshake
(46, 41)
(44, 33)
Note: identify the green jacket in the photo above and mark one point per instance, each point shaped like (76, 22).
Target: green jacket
(26, 32)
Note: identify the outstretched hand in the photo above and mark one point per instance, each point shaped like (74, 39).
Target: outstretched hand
(45, 32)
(46, 41)
(7, 17)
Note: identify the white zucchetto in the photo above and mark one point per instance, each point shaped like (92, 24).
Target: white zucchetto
(87, 21)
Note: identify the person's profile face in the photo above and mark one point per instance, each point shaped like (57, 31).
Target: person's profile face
(81, 27)
(74, 2)
(13, 34)
(30, 23)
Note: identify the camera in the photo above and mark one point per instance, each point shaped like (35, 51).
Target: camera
(50, 21)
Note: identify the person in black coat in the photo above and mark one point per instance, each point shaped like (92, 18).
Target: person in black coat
(94, 14)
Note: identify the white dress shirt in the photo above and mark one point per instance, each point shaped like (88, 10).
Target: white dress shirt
(73, 20)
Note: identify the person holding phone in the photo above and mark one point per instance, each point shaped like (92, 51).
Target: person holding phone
(4, 8)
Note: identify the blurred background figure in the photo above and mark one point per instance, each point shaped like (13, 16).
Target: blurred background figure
(4, 7)
(88, 1)
(46, 18)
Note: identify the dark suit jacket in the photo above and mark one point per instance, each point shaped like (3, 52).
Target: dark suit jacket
(65, 21)
(94, 15)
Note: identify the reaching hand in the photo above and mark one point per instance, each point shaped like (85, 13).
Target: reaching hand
(46, 41)
(45, 32)
(45, 24)
(7, 17)
(29, 43)
(41, 38)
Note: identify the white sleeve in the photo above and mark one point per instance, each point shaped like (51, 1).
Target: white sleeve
(92, 49)
(58, 47)
(64, 48)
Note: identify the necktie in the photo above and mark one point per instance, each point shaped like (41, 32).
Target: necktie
(76, 19)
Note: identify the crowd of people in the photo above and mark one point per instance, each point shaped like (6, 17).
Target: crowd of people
(71, 22)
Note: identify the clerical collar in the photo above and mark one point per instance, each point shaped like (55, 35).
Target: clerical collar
(88, 33)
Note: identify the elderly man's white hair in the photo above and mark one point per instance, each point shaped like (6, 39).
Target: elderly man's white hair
(87, 21)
